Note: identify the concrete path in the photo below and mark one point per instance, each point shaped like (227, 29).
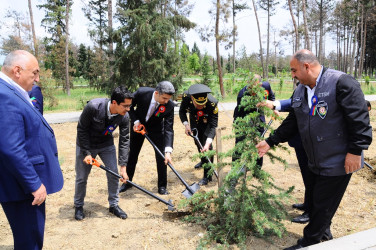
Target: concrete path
(364, 240)
(73, 116)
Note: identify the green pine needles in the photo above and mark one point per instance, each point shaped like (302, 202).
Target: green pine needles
(248, 203)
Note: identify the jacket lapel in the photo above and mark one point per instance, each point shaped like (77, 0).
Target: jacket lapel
(29, 106)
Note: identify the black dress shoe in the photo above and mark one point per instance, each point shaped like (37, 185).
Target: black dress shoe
(300, 206)
(304, 218)
(327, 235)
(124, 187)
(198, 165)
(162, 191)
(117, 211)
(204, 181)
(79, 213)
(297, 246)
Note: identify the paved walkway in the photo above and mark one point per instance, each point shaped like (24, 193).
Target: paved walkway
(73, 116)
(364, 240)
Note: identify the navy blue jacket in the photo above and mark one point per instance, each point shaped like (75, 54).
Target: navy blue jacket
(28, 152)
(36, 94)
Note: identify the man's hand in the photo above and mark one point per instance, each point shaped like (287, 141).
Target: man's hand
(123, 172)
(266, 103)
(188, 129)
(168, 158)
(88, 159)
(206, 147)
(352, 163)
(136, 126)
(263, 147)
(39, 195)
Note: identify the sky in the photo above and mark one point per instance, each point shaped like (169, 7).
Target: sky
(246, 22)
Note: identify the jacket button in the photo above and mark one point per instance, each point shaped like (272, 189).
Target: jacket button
(56, 154)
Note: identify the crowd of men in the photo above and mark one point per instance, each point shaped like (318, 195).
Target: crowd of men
(30, 170)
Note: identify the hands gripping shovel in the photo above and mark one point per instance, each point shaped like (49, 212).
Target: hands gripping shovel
(194, 135)
(168, 203)
(190, 189)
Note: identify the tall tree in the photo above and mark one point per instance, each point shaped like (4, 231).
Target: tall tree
(33, 29)
(296, 45)
(260, 41)
(269, 7)
(55, 23)
(236, 8)
(145, 53)
(307, 43)
(67, 83)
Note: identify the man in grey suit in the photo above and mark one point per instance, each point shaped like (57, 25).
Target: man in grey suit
(98, 120)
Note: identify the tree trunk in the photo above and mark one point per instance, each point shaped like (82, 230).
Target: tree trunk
(233, 36)
(321, 30)
(267, 45)
(295, 26)
(33, 29)
(306, 36)
(259, 33)
(67, 84)
(220, 77)
(110, 42)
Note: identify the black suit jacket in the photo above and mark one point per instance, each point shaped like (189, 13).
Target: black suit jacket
(163, 123)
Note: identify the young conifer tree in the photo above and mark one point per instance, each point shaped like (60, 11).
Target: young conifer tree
(248, 203)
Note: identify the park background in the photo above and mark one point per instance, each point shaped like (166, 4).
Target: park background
(85, 49)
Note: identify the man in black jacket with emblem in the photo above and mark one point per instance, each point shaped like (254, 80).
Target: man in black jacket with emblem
(153, 109)
(98, 120)
(330, 114)
(203, 116)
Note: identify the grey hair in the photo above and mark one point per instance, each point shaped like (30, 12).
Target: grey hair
(305, 56)
(257, 77)
(165, 87)
(17, 57)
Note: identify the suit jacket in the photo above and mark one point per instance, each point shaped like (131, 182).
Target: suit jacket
(36, 92)
(28, 152)
(94, 129)
(161, 122)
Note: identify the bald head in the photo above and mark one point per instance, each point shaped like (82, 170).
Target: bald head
(22, 67)
(305, 67)
(305, 56)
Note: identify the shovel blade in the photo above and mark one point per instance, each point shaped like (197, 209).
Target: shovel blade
(194, 187)
(170, 206)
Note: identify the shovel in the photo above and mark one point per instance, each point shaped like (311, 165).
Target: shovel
(170, 206)
(190, 189)
(194, 135)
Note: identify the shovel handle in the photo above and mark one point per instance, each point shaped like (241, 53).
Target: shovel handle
(141, 129)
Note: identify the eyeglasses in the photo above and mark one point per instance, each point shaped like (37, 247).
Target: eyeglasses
(126, 106)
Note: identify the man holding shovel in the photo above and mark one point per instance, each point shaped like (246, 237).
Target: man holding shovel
(203, 116)
(98, 120)
(153, 109)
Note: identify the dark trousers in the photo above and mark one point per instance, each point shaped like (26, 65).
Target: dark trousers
(202, 138)
(136, 141)
(307, 174)
(327, 195)
(27, 223)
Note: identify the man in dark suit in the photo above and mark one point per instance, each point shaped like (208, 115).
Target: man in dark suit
(153, 109)
(203, 116)
(100, 117)
(36, 97)
(29, 166)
